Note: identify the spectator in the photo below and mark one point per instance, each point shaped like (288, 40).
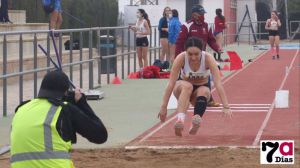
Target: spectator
(174, 29)
(4, 12)
(220, 25)
(142, 29)
(163, 34)
(56, 16)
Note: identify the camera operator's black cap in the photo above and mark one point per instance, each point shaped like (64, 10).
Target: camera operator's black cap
(198, 9)
(54, 85)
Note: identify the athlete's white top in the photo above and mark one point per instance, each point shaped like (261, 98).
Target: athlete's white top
(202, 72)
(141, 28)
(273, 24)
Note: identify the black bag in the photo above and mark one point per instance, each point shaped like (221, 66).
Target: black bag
(75, 46)
(165, 65)
(157, 63)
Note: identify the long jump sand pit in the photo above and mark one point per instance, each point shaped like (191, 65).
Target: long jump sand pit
(168, 158)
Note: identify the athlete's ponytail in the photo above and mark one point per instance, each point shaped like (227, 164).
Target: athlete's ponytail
(145, 15)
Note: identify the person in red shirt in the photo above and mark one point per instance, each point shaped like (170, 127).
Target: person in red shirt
(220, 25)
(197, 27)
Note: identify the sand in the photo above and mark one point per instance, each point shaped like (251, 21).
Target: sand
(171, 158)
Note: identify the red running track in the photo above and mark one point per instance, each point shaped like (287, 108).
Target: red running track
(251, 91)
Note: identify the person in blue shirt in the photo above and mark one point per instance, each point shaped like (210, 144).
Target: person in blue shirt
(174, 29)
(163, 34)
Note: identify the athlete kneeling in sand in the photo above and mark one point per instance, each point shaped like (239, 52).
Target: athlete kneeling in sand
(189, 83)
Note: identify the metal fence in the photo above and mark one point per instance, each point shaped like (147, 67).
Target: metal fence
(23, 62)
(16, 62)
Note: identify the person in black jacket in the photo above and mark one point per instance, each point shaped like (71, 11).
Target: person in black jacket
(75, 116)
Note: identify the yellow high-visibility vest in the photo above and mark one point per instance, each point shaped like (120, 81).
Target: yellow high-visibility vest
(35, 142)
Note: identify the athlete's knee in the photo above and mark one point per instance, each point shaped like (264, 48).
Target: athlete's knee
(203, 91)
(200, 105)
(187, 87)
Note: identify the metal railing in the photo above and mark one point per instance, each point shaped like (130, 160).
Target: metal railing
(25, 63)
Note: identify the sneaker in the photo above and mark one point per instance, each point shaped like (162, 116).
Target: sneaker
(273, 57)
(178, 128)
(277, 56)
(195, 124)
(213, 104)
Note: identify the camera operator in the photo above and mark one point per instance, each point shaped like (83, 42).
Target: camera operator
(44, 128)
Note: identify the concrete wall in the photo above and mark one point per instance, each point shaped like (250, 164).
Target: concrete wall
(210, 7)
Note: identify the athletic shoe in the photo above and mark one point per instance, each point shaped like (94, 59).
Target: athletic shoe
(178, 128)
(277, 56)
(273, 57)
(213, 104)
(195, 124)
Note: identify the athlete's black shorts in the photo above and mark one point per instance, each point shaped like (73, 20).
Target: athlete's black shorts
(142, 42)
(273, 33)
(195, 87)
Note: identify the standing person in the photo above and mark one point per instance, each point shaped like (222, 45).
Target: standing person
(272, 25)
(197, 27)
(142, 29)
(43, 129)
(174, 29)
(220, 25)
(4, 12)
(163, 34)
(56, 16)
(192, 67)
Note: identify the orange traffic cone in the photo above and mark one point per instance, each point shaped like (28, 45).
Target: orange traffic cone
(130, 76)
(226, 67)
(116, 80)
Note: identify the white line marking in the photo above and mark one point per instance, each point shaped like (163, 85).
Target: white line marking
(249, 104)
(223, 82)
(243, 107)
(233, 110)
(264, 124)
(187, 147)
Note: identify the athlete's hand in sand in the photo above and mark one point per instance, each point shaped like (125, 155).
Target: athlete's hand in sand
(227, 112)
(162, 115)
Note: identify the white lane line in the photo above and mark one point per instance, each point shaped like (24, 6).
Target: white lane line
(264, 124)
(186, 147)
(242, 107)
(233, 110)
(223, 82)
(248, 104)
